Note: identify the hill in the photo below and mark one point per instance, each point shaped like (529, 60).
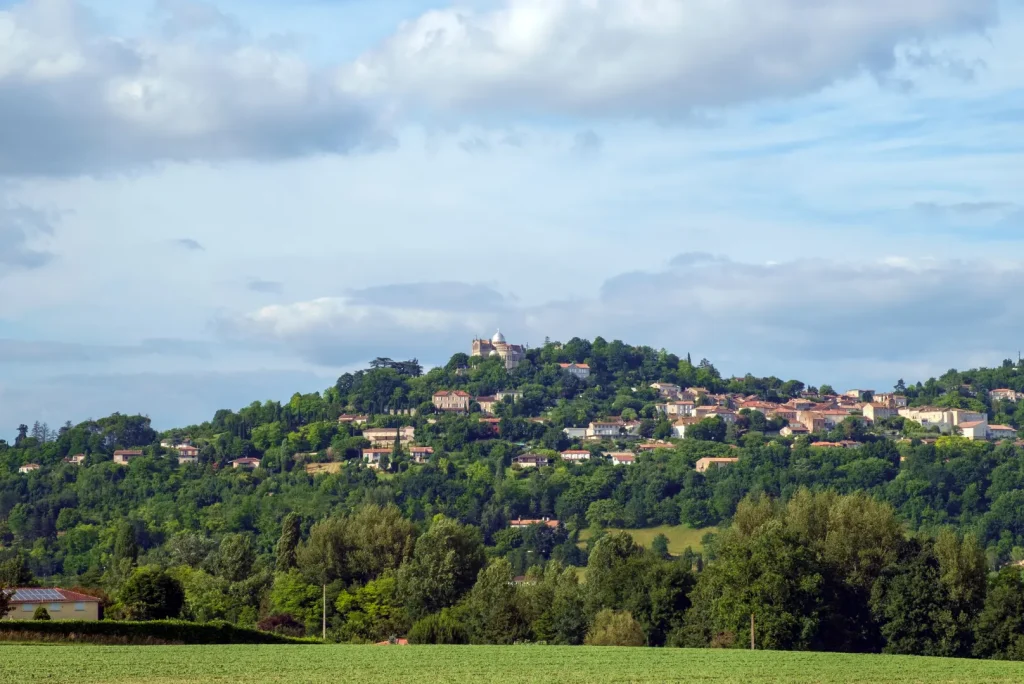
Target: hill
(255, 511)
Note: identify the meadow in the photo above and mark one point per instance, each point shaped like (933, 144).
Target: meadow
(67, 664)
(679, 536)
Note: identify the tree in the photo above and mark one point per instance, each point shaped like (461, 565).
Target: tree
(40, 613)
(439, 628)
(659, 545)
(826, 390)
(291, 535)
(234, 558)
(14, 572)
(492, 610)
(443, 567)
(372, 612)
(126, 548)
(5, 600)
(615, 628)
(152, 594)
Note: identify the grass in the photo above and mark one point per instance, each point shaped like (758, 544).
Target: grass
(461, 664)
(679, 536)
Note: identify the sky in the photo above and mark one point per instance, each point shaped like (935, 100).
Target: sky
(204, 204)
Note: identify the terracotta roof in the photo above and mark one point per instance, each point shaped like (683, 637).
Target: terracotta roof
(128, 452)
(1002, 427)
(972, 423)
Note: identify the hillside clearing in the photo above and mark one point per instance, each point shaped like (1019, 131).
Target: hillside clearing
(460, 664)
(679, 536)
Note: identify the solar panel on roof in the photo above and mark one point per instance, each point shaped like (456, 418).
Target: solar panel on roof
(38, 595)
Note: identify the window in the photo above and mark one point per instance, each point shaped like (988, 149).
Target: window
(54, 607)
(79, 606)
(27, 607)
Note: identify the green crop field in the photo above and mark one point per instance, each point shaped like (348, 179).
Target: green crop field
(679, 536)
(468, 664)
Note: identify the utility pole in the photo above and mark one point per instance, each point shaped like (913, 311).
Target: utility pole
(751, 631)
(325, 616)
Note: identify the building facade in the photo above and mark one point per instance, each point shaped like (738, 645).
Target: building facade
(511, 354)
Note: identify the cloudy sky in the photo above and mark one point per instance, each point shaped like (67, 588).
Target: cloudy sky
(203, 204)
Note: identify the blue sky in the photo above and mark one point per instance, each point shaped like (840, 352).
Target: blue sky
(204, 204)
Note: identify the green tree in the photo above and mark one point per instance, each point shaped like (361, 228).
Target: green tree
(291, 535)
(151, 594)
(234, 557)
(492, 611)
(41, 613)
(443, 628)
(372, 612)
(999, 631)
(615, 628)
(443, 567)
(126, 548)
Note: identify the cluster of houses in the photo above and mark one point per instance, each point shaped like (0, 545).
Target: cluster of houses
(187, 454)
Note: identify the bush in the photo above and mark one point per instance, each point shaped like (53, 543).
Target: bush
(439, 628)
(615, 628)
(41, 613)
(154, 632)
(282, 624)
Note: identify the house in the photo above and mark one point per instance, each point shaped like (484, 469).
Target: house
(784, 413)
(833, 417)
(974, 430)
(123, 456)
(421, 454)
(511, 354)
(77, 459)
(575, 455)
(349, 419)
(727, 415)
(704, 464)
(522, 522)
(667, 389)
(876, 411)
(29, 468)
(514, 395)
(455, 401)
(651, 447)
(531, 461)
(1004, 395)
(576, 433)
(580, 371)
(764, 407)
(794, 430)
(372, 457)
(859, 394)
(187, 453)
(246, 463)
(385, 437)
(621, 458)
(61, 604)
(679, 427)
(997, 432)
(605, 429)
(487, 404)
(896, 401)
(684, 408)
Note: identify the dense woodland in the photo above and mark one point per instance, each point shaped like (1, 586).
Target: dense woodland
(902, 544)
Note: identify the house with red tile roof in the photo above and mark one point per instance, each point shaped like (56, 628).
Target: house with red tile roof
(579, 370)
(454, 401)
(124, 456)
(247, 463)
(61, 604)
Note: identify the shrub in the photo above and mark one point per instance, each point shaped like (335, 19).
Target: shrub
(439, 628)
(615, 628)
(41, 613)
(282, 624)
(153, 632)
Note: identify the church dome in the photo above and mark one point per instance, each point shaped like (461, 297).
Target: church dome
(498, 338)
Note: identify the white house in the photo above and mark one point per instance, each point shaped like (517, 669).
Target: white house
(29, 468)
(998, 432)
(578, 370)
(576, 455)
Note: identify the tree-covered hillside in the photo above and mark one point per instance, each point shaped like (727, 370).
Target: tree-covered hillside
(257, 546)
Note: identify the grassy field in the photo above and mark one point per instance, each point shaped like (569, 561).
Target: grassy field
(509, 665)
(679, 536)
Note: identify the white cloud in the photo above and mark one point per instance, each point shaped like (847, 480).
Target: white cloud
(75, 99)
(791, 319)
(648, 57)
